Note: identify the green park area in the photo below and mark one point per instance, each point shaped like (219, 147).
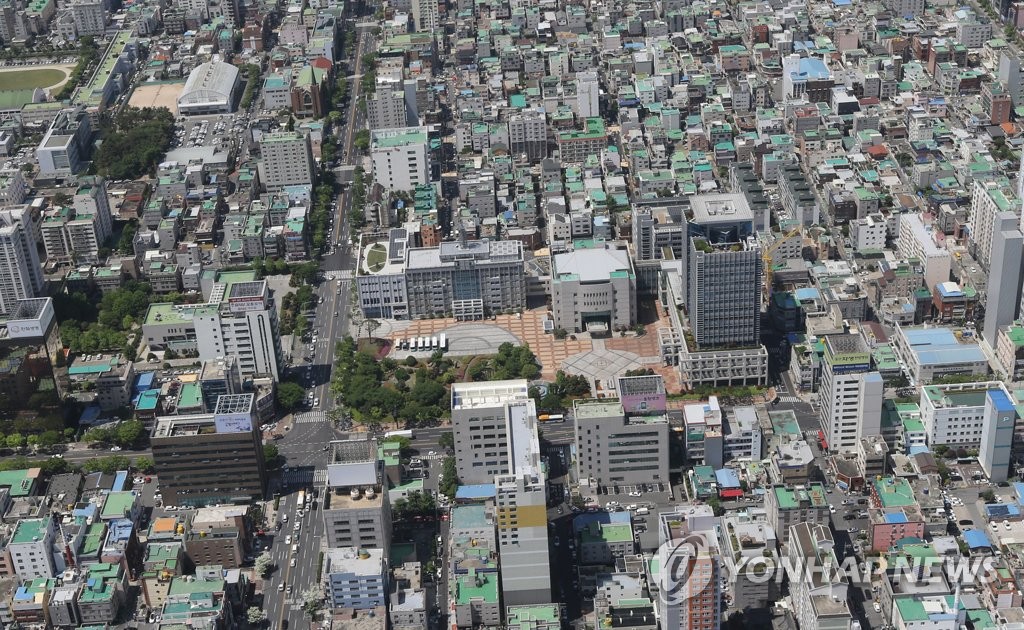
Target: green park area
(31, 78)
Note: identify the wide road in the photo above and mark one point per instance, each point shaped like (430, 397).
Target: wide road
(282, 606)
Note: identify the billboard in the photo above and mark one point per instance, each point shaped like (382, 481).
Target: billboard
(32, 327)
(233, 423)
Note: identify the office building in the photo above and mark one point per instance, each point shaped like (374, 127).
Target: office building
(933, 352)
(465, 279)
(954, 415)
(385, 109)
(1011, 76)
(820, 601)
(425, 15)
(916, 241)
(66, 147)
(355, 578)
(356, 508)
(790, 505)
(528, 134)
(997, 434)
(239, 320)
(21, 275)
(613, 449)
(206, 459)
(689, 547)
(90, 199)
(850, 393)
(1004, 288)
(481, 417)
(401, 157)
(593, 289)
(218, 536)
(287, 160)
(89, 17)
(521, 517)
(723, 274)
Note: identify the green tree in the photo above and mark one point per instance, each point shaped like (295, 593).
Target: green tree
(449, 482)
(134, 144)
(271, 456)
(290, 395)
(129, 433)
(15, 440)
(107, 465)
(144, 465)
(361, 141)
(263, 564)
(446, 440)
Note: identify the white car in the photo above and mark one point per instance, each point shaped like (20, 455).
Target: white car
(287, 540)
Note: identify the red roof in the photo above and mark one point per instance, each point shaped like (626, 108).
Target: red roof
(731, 493)
(878, 151)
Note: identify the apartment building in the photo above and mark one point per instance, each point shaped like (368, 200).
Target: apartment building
(789, 505)
(988, 199)
(356, 507)
(613, 449)
(386, 109)
(400, 157)
(89, 17)
(65, 148)
(689, 546)
(916, 241)
(21, 275)
(287, 160)
(520, 509)
(850, 393)
(355, 578)
(528, 134)
(205, 459)
(36, 549)
(821, 601)
(748, 542)
(575, 146)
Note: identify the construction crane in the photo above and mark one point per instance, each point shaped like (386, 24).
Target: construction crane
(766, 257)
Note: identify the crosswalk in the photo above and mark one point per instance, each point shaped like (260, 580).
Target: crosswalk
(306, 476)
(311, 417)
(790, 399)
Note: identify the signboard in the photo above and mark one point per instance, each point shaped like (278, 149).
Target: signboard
(233, 423)
(32, 328)
(244, 305)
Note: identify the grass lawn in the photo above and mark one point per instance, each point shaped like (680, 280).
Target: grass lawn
(376, 257)
(28, 79)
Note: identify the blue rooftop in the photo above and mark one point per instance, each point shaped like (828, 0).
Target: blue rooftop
(938, 346)
(805, 294)
(896, 517)
(476, 492)
(996, 511)
(727, 478)
(976, 539)
(1000, 400)
(813, 68)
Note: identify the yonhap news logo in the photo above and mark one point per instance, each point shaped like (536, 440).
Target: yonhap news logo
(687, 568)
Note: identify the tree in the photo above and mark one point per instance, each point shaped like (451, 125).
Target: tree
(136, 141)
(716, 506)
(270, 456)
(15, 440)
(987, 496)
(289, 396)
(312, 600)
(256, 615)
(449, 478)
(263, 564)
(362, 140)
(446, 440)
(144, 465)
(129, 433)
(107, 465)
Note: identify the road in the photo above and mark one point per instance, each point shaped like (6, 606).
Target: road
(280, 605)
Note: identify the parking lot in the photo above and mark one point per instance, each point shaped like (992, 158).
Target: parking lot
(217, 131)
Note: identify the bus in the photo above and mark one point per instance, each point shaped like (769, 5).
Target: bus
(406, 434)
(551, 417)
(302, 499)
(442, 342)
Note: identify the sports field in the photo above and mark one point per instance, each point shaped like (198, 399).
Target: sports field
(28, 78)
(157, 95)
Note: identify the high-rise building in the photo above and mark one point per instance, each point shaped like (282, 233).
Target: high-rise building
(988, 199)
(690, 570)
(588, 94)
(481, 413)
(65, 148)
(91, 198)
(723, 273)
(21, 276)
(820, 599)
(401, 157)
(528, 134)
(1011, 75)
(35, 550)
(521, 516)
(425, 15)
(1004, 288)
(386, 110)
(205, 459)
(997, 434)
(613, 449)
(356, 509)
(287, 160)
(355, 578)
(89, 17)
(851, 393)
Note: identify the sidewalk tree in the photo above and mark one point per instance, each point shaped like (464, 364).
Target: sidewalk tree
(312, 600)
(446, 440)
(144, 465)
(290, 395)
(256, 615)
(263, 564)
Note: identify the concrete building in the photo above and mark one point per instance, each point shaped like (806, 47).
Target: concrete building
(386, 109)
(356, 508)
(1004, 288)
(287, 160)
(988, 199)
(239, 320)
(210, 89)
(66, 147)
(850, 393)
(219, 536)
(425, 15)
(528, 134)
(575, 146)
(521, 518)
(821, 602)
(593, 289)
(465, 279)
(915, 241)
(933, 352)
(355, 578)
(787, 506)
(954, 415)
(615, 449)
(481, 417)
(688, 546)
(206, 459)
(90, 17)
(36, 550)
(749, 553)
(21, 275)
(401, 157)
(588, 94)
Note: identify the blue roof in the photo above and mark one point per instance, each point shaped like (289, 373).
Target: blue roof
(90, 414)
(727, 478)
(1000, 400)
(996, 511)
(929, 336)
(144, 381)
(813, 68)
(938, 346)
(1019, 489)
(807, 293)
(896, 517)
(946, 291)
(976, 538)
(477, 491)
(917, 450)
(119, 480)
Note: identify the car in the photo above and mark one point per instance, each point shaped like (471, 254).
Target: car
(287, 540)
(432, 453)
(289, 589)
(316, 402)
(280, 587)
(832, 509)
(636, 493)
(115, 449)
(877, 607)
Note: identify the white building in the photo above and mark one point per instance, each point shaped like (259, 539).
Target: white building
(287, 160)
(612, 449)
(425, 15)
(742, 437)
(401, 157)
(987, 200)
(851, 393)
(916, 241)
(386, 109)
(89, 17)
(954, 415)
(65, 148)
(33, 549)
(934, 352)
(210, 89)
(868, 233)
(819, 602)
(521, 515)
(21, 275)
(588, 94)
(355, 578)
(749, 544)
(593, 289)
(13, 188)
(486, 410)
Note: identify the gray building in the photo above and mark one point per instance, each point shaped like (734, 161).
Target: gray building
(1004, 288)
(593, 289)
(612, 449)
(356, 509)
(481, 413)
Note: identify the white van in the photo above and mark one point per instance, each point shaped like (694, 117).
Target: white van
(642, 511)
(295, 548)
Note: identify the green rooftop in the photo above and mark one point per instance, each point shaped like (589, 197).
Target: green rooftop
(894, 492)
(606, 533)
(593, 130)
(529, 617)
(190, 397)
(29, 530)
(118, 505)
(20, 482)
(388, 138)
(792, 498)
(476, 586)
